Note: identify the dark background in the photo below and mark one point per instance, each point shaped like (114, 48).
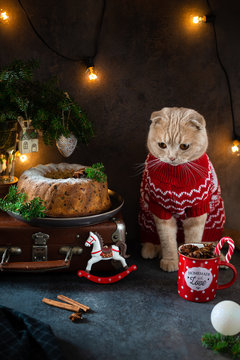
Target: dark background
(150, 56)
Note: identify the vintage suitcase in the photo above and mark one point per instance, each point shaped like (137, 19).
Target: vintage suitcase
(29, 248)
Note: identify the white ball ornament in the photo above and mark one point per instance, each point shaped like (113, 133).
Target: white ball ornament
(225, 317)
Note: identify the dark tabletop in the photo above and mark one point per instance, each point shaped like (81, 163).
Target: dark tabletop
(140, 317)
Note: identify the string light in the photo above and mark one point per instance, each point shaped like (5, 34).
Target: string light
(236, 147)
(92, 75)
(22, 157)
(4, 17)
(199, 19)
(211, 18)
(203, 19)
(86, 59)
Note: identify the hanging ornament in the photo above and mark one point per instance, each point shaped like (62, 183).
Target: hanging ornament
(66, 145)
(28, 137)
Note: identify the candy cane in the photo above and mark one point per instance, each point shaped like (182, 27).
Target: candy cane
(231, 248)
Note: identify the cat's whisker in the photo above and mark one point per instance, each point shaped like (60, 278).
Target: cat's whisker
(193, 172)
(139, 166)
(138, 172)
(138, 169)
(202, 173)
(185, 173)
(153, 164)
(197, 166)
(189, 173)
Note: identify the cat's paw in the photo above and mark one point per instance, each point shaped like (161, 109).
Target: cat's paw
(149, 250)
(169, 265)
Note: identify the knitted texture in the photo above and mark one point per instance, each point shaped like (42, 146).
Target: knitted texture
(182, 191)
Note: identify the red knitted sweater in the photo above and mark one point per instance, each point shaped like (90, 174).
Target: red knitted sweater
(186, 190)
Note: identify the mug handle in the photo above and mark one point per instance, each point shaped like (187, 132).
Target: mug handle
(224, 286)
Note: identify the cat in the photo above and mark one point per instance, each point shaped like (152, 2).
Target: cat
(180, 197)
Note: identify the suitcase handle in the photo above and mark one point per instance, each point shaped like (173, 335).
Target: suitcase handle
(35, 266)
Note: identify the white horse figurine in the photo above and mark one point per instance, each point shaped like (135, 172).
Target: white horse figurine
(99, 252)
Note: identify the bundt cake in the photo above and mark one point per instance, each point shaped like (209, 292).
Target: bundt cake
(65, 190)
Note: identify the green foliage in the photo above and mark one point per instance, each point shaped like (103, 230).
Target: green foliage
(51, 110)
(18, 71)
(16, 81)
(96, 172)
(15, 201)
(58, 114)
(223, 344)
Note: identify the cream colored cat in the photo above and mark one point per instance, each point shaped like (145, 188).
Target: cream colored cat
(180, 193)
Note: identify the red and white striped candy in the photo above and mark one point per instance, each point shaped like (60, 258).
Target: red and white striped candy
(231, 248)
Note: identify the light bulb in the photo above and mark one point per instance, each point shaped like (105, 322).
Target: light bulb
(199, 19)
(236, 147)
(4, 17)
(92, 75)
(23, 157)
(203, 19)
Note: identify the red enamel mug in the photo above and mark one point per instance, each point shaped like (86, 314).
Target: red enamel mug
(198, 278)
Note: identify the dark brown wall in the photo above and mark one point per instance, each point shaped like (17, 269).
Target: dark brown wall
(150, 56)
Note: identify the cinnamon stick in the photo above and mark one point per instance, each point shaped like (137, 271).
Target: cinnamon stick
(75, 317)
(61, 305)
(73, 302)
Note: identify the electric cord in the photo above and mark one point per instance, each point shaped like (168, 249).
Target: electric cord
(223, 68)
(87, 60)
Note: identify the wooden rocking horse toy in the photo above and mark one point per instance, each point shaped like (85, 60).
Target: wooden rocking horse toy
(100, 252)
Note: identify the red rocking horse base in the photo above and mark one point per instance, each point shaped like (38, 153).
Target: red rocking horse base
(107, 280)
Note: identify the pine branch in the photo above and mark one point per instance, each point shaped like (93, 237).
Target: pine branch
(222, 344)
(96, 172)
(44, 102)
(15, 201)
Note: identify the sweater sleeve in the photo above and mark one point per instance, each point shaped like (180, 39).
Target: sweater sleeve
(159, 210)
(202, 208)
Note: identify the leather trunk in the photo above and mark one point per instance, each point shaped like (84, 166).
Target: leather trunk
(36, 249)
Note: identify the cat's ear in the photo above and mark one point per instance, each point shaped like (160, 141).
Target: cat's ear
(156, 116)
(199, 122)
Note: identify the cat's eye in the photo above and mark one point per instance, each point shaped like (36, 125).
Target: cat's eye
(162, 145)
(184, 146)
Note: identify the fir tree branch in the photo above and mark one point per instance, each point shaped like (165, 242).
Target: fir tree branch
(96, 172)
(222, 344)
(16, 202)
(51, 110)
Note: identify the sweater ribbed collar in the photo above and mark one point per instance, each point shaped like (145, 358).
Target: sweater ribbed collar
(184, 175)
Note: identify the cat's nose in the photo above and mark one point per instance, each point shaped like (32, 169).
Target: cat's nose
(172, 158)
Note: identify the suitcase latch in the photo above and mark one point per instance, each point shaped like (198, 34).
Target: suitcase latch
(120, 232)
(40, 249)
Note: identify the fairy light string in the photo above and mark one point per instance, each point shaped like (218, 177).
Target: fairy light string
(88, 61)
(236, 138)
